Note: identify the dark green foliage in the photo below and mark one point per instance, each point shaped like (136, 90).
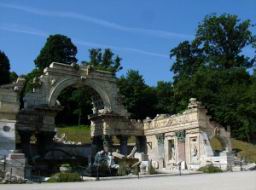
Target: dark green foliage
(4, 69)
(210, 169)
(58, 48)
(222, 38)
(188, 59)
(104, 60)
(164, 94)
(213, 69)
(139, 99)
(65, 177)
(77, 106)
(32, 80)
(13, 76)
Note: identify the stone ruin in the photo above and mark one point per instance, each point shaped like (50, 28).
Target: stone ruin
(167, 140)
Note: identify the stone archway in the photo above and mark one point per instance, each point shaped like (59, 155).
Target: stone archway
(59, 76)
(40, 108)
(68, 82)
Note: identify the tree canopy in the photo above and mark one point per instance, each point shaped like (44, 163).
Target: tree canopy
(104, 60)
(58, 48)
(139, 99)
(4, 69)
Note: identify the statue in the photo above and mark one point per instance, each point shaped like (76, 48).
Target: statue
(94, 109)
(173, 153)
(194, 151)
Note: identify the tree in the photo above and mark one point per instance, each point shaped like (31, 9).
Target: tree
(213, 69)
(104, 60)
(13, 76)
(164, 93)
(188, 58)
(219, 44)
(58, 48)
(139, 99)
(4, 69)
(223, 38)
(77, 106)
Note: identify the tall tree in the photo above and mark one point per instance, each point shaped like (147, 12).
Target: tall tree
(223, 38)
(104, 60)
(58, 48)
(4, 69)
(139, 99)
(213, 69)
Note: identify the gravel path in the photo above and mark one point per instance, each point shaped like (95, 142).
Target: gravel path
(222, 181)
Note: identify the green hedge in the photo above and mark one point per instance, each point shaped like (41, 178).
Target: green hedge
(65, 177)
(210, 169)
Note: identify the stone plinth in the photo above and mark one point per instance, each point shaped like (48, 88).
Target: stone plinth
(15, 164)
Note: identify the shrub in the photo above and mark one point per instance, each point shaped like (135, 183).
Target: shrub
(65, 177)
(210, 169)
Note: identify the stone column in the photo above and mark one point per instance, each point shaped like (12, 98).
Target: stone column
(44, 141)
(161, 153)
(107, 143)
(25, 136)
(123, 144)
(141, 144)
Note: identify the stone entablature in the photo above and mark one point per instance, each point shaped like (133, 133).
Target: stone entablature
(110, 124)
(164, 123)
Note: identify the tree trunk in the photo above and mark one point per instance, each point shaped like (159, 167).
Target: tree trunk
(79, 117)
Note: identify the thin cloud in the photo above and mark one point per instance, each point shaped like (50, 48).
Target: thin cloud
(35, 32)
(101, 22)
(89, 44)
(24, 30)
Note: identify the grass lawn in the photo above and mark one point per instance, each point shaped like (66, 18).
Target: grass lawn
(245, 150)
(76, 133)
(82, 134)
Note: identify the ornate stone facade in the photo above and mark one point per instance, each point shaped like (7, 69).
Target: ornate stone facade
(185, 138)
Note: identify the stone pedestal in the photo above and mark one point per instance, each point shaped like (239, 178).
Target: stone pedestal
(15, 164)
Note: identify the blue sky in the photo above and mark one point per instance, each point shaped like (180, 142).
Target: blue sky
(141, 32)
